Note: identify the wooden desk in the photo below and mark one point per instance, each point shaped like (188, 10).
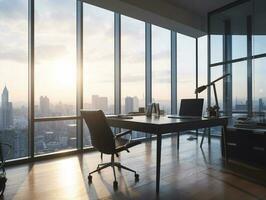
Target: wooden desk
(162, 125)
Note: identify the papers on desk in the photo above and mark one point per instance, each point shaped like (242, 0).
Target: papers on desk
(120, 116)
(183, 117)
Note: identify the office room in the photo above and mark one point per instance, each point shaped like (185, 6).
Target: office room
(123, 99)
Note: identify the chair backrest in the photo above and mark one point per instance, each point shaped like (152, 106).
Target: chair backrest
(102, 137)
(191, 107)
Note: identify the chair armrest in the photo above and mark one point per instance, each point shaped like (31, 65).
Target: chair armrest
(123, 133)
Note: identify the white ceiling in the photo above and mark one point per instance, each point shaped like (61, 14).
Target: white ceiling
(200, 7)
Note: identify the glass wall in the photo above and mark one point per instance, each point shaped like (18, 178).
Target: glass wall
(161, 68)
(186, 68)
(14, 77)
(238, 47)
(98, 65)
(55, 73)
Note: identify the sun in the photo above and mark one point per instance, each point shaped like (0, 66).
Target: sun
(65, 73)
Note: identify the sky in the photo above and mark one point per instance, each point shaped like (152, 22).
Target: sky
(55, 55)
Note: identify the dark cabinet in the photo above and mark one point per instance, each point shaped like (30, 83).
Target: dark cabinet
(247, 145)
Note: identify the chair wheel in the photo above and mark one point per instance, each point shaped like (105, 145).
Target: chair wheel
(90, 178)
(115, 184)
(136, 177)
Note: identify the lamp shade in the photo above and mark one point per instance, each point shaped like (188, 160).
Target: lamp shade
(200, 89)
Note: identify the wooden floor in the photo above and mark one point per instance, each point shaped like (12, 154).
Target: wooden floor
(191, 173)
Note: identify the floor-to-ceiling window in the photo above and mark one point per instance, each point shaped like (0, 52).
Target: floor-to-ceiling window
(186, 68)
(202, 69)
(55, 74)
(56, 92)
(98, 66)
(132, 66)
(161, 67)
(14, 77)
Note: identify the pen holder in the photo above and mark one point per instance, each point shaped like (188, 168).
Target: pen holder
(153, 107)
(156, 110)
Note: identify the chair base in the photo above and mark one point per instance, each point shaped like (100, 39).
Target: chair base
(113, 165)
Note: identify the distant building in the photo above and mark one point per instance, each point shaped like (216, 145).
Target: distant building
(261, 105)
(241, 107)
(6, 114)
(44, 106)
(129, 104)
(135, 104)
(98, 102)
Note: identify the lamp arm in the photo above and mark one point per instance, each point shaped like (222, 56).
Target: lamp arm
(216, 98)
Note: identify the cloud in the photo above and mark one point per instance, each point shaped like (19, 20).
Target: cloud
(15, 55)
(162, 76)
(162, 55)
(50, 52)
(133, 57)
(133, 78)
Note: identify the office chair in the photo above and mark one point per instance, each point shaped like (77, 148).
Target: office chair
(3, 178)
(103, 139)
(190, 108)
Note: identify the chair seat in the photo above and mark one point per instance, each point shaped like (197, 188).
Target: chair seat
(123, 144)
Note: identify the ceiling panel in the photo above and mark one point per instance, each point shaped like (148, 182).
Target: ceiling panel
(201, 7)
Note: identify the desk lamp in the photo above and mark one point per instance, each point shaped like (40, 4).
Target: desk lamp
(214, 111)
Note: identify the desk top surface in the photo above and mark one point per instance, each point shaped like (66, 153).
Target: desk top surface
(163, 120)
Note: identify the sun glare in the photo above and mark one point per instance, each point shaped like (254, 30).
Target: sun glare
(65, 74)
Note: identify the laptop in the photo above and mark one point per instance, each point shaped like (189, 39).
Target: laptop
(190, 109)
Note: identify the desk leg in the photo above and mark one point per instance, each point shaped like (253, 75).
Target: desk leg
(158, 162)
(224, 137)
(209, 135)
(202, 138)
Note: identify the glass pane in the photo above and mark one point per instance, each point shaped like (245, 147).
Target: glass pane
(238, 26)
(259, 24)
(203, 68)
(133, 67)
(259, 87)
(133, 64)
(14, 77)
(98, 67)
(231, 22)
(161, 68)
(55, 58)
(239, 46)
(216, 48)
(186, 68)
(98, 58)
(55, 136)
(239, 80)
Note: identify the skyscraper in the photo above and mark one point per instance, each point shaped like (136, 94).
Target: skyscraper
(6, 111)
(44, 105)
(129, 105)
(99, 102)
(261, 105)
(135, 104)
